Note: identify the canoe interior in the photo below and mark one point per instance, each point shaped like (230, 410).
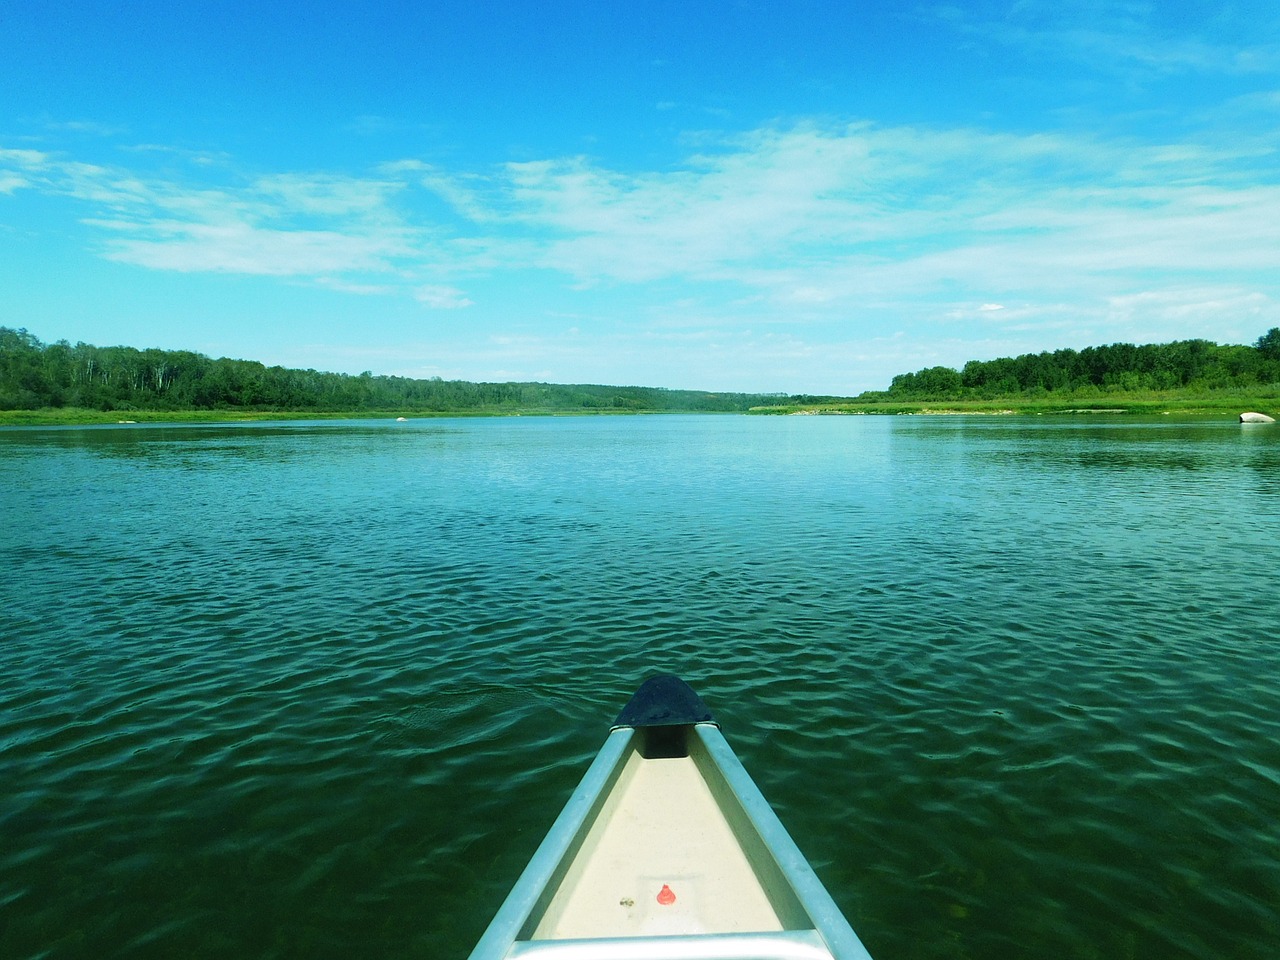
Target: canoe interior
(668, 851)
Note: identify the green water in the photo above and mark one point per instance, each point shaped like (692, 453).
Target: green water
(318, 690)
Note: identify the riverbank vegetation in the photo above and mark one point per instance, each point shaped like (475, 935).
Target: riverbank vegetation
(1184, 376)
(1120, 367)
(82, 383)
(61, 383)
(1216, 403)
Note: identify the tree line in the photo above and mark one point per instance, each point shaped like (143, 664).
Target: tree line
(1118, 367)
(35, 375)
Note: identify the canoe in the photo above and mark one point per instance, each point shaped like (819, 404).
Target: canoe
(668, 851)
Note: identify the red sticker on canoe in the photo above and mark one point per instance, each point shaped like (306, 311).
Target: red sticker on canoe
(665, 896)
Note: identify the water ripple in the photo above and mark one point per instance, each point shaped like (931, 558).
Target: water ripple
(1010, 683)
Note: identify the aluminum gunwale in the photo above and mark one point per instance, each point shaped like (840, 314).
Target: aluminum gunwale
(813, 896)
(553, 853)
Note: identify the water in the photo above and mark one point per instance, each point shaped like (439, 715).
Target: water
(318, 690)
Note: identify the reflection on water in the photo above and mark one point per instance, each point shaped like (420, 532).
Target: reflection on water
(319, 689)
(196, 444)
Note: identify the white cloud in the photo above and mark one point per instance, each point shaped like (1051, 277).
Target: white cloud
(328, 196)
(20, 168)
(803, 215)
(1190, 311)
(90, 127)
(360, 289)
(243, 248)
(838, 232)
(29, 159)
(442, 297)
(901, 216)
(1140, 40)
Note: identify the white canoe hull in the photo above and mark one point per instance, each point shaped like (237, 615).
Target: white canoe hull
(668, 850)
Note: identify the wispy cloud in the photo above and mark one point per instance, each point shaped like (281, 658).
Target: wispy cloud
(19, 169)
(290, 224)
(442, 297)
(238, 247)
(834, 216)
(27, 159)
(92, 128)
(763, 193)
(820, 223)
(199, 158)
(295, 194)
(1131, 38)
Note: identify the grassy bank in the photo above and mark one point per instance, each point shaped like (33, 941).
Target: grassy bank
(1208, 404)
(1225, 404)
(78, 416)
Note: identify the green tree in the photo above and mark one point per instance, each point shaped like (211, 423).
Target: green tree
(24, 383)
(1269, 344)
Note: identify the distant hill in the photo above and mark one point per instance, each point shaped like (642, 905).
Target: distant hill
(36, 375)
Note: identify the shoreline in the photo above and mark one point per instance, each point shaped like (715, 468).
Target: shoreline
(79, 417)
(1114, 406)
(1225, 407)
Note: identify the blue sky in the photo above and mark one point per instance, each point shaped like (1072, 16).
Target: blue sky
(722, 194)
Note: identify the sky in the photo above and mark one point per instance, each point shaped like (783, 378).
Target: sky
(800, 197)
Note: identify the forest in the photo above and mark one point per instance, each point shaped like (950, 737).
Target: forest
(36, 375)
(1182, 365)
